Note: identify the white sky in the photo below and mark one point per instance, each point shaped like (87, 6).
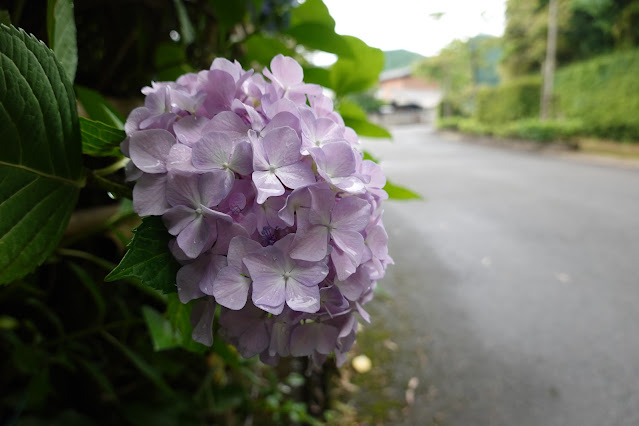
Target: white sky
(408, 24)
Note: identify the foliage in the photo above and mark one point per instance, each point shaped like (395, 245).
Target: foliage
(40, 167)
(74, 348)
(587, 28)
(530, 129)
(511, 101)
(602, 93)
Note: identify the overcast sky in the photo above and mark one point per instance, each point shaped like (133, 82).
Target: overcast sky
(413, 24)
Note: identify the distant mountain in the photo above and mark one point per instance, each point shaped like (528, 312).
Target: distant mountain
(394, 59)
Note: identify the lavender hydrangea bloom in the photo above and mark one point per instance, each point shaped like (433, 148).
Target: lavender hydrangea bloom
(276, 216)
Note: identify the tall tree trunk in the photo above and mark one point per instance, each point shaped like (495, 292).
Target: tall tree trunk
(549, 63)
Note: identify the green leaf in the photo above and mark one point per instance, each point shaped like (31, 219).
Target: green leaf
(98, 108)
(317, 75)
(163, 335)
(99, 139)
(149, 259)
(40, 159)
(262, 49)
(355, 117)
(321, 37)
(62, 34)
(312, 11)
(179, 315)
(368, 156)
(144, 367)
(359, 72)
(186, 27)
(397, 192)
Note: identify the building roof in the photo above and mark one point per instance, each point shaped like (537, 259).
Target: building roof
(395, 73)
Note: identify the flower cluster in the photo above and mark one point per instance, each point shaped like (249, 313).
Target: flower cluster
(275, 213)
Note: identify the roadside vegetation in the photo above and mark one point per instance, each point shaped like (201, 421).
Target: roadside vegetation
(595, 93)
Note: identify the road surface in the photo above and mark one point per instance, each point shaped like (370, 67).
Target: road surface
(515, 294)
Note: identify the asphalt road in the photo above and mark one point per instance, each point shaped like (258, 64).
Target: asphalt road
(515, 294)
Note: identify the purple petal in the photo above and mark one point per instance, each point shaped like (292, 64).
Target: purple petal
(230, 123)
(344, 265)
(311, 244)
(231, 289)
(196, 237)
(226, 232)
(302, 298)
(309, 273)
(179, 159)
(311, 337)
(149, 195)
(296, 175)
(353, 287)
(340, 159)
(350, 242)
(182, 190)
(212, 151)
(242, 160)
(286, 70)
(214, 187)
(188, 130)
(202, 315)
(351, 213)
(298, 198)
(150, 148)
(269, 292)
(177, 218)
(188, 279)
(239, 248)
(282, 146)
(267, 184)
(267, 262)
(215, 263)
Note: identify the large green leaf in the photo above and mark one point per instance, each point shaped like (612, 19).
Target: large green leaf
(40, 159)
(355, 117)
(312, 11)
(321, 37)
(149, 259)
(359, 72)
(262, 49)
(99, 139)
(62, 34)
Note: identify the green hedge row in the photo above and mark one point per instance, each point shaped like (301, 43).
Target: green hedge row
(603, 93)
(529, 129)
(515, 100)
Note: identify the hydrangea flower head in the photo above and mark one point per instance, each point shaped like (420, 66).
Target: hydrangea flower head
(276, 216)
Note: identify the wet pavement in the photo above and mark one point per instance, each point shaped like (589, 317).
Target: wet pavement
(515, 295)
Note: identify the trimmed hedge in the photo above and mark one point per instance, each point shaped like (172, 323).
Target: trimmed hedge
(515, 100)
(528, 129)
(603, 93)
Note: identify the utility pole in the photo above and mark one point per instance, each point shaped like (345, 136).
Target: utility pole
(550, 62)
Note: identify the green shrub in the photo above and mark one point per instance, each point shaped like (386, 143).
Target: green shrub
(540, 131)
(603, 93)
(470, 125)
(448, 123)
(458, 104)
(515, 100)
